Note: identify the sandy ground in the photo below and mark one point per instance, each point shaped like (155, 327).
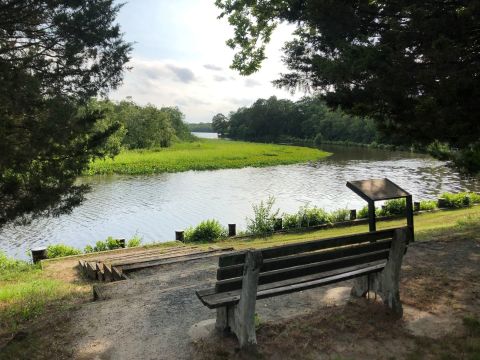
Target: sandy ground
(156, 313)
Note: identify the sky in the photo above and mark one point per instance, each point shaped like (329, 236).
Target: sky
(180, 58)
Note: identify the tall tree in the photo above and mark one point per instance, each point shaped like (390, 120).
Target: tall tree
(220, 124)
(54, 56)
(413, 66)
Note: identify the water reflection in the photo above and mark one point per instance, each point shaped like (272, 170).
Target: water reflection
(156, 206)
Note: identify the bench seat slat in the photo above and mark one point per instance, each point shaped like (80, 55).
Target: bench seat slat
(212, 299)
(233, 271)
(321, 244)
(302, 270)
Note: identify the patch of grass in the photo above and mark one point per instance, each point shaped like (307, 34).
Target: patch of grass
(204, 154)
(206, 231)
(25, 292)
(60, 250)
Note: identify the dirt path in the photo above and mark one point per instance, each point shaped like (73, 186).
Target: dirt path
(151, 316)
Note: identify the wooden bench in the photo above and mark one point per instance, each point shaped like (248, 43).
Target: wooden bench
(373, 259)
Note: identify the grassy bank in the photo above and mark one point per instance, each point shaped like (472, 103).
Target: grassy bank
(204, 154)
(35, 300)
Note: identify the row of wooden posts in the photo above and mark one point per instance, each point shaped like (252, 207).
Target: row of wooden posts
(41, 252)
(278, 225)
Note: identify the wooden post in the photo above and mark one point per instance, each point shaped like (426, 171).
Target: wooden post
(232, 229)
(179, 235)
(442, 203)
(372, 226)
(241, 317)
(121, 242)
(353, 214)
(409, 208)
(416, 206)
(278, 224)
(39, 253)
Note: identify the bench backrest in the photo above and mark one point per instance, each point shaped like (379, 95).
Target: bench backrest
(307, 258)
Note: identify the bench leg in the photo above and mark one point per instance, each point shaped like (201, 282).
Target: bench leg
(387, 282)
(240, 318)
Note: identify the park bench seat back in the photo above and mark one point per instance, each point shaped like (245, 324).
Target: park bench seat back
(299, 266)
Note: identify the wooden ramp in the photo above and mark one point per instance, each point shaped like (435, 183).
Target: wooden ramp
(114, 267)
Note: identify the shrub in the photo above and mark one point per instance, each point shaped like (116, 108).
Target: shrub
(108, 244)
(134, 241)
(10, 264)
(339, 215)
(455, 201)
(206, 231)
(393, 207)
(291, 221)
(474, 198)
(428, 205)
(60, 250)
(263, 220)
(363, 213)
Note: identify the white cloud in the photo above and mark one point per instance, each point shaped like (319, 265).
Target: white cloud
(191, 70)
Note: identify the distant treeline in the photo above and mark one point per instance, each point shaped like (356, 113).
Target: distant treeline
(309, 119)
(200, 127)
(141, 127)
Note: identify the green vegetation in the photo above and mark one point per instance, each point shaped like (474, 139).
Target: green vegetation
(141, 127)
(26, 291)
(263, 220)
(307, 120)
(403, 64)
(459, 200)
(204, 154)
(60, 250)
(206, 231)
(200, 127)
(135, 241)
(305, 217)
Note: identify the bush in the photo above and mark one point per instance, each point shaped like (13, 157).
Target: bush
(393, 207)
(206, 231)
(108, 244)
(474, 198)
(363, 213)
(305, 217)
(455, 201)
(60, 250)
(263, 220)
(339, 215)
(134, 241)
(291, 221)
(426, 205)
(10, 264)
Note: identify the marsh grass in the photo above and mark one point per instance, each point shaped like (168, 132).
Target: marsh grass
(204, 154)
(25, 292)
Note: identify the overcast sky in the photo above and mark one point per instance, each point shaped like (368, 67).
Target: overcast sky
(180, 59)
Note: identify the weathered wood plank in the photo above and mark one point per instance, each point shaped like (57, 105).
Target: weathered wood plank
(314, 245)
(303, 259)
(302, 270)
(216, 300)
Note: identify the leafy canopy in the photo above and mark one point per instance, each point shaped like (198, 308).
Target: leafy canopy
(413, 66)
(54, 56)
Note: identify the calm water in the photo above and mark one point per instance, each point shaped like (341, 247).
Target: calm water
(156, 206)
(205, 135)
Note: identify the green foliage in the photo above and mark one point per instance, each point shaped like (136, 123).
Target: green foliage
(339, 215)
(220, 124)
(363, 213)
(206, 231)
(393, 207)
(455, 201)
(407, 65)
(103, 245)
(473, 325)
(263, 220)
(8, 264)
(308, 119)
(135, 241)
(306, 216)
(200, 127)
(427, 205)
(60, 250)
(204, 154)
(59, 55)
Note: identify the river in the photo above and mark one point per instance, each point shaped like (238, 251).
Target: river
(155, 206)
